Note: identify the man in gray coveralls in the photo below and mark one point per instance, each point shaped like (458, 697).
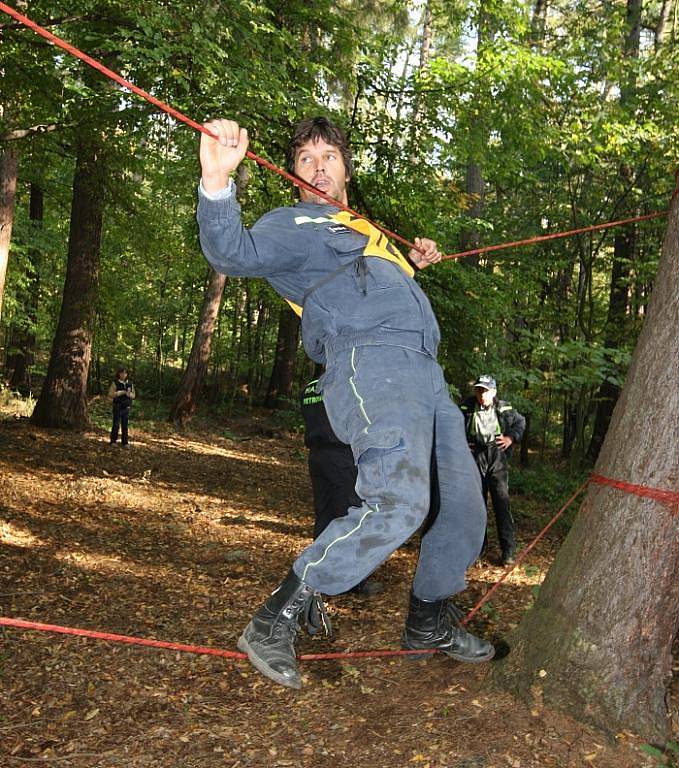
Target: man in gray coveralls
(367, 320)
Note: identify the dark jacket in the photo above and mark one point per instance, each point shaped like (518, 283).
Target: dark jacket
(511, 423)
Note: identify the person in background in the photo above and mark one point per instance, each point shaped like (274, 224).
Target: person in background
(121, 393)
(492, 427)
(332, 471)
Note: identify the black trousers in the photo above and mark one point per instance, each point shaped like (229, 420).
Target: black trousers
(333, 482)
(495, 481)
(121, 417)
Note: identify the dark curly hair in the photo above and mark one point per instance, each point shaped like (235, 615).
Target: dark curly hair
(313, 129)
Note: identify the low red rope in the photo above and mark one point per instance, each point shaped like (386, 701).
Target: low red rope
(290, 177)
(183, 647)
(662, 496)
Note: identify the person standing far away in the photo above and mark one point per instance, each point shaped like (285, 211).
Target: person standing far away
(121, 393)
(369, 323)
(492, 427)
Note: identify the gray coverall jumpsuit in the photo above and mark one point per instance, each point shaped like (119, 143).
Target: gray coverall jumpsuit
(385, 394)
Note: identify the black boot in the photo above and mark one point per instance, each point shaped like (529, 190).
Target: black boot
(269, 639)
(432, 625)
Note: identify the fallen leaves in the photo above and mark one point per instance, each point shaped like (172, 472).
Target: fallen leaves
(181, 539)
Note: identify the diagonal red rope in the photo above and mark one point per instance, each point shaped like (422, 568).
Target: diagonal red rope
(184, 119)
(555, 235)
(522, 555)
(290, 177)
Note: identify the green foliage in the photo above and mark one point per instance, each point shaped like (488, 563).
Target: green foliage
(548, 483)
(541, 115)
(669, 756)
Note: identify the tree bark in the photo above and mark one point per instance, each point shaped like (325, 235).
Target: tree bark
(475, 188)
(23, 339)
(598, 642)
(63, 399)
(186, 400)
(9, 164)
(282, 375)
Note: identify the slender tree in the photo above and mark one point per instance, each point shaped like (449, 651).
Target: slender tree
(282, 375)
(624, 244)
(9, 162)
(22, 338)
(186, 400)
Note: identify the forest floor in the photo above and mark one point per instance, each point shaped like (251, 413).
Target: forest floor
(180, 537)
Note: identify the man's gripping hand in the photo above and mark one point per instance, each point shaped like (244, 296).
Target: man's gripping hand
(220, 157)
(428, 253)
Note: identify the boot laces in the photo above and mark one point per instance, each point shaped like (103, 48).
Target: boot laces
(316, 617)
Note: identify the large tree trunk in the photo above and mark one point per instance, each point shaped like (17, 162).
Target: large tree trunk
(23, 339)
(282, 375)
(63, 399)
(186, 400)
(598, 641)
(9, 163)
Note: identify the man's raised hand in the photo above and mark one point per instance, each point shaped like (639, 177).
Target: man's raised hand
(220, 157)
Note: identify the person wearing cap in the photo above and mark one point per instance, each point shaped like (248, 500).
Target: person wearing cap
(492, 428)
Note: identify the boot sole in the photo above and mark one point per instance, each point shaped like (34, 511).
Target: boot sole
(456, 656)
(264, 668)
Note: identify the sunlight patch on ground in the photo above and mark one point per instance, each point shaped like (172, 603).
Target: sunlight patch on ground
(18, 537)
(109, 565)
(519, 576)
(212, 450)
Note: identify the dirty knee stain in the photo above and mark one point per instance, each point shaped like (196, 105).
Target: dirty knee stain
(412, 471)
(370, 543)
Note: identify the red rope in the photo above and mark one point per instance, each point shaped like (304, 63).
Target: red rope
(555, 235)
(670, 498)
(290, 177)
(198, 649)
(663, 496)
(184, 119)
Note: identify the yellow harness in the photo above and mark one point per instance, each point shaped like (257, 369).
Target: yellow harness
(378, 245)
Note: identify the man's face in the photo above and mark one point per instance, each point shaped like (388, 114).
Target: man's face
(321, 165)
(485, 396)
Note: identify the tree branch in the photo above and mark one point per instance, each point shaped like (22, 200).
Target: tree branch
(22, 133)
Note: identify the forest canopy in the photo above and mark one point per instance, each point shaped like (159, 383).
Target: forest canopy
(472, 123)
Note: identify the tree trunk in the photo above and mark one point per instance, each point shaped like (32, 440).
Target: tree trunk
(425, 51)
(186, 400)
(9, 164)
(21, 357)
(282, 375)
(598, 642)
(538, 23)
(624, 248)
(470, 236)
(63, 399)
